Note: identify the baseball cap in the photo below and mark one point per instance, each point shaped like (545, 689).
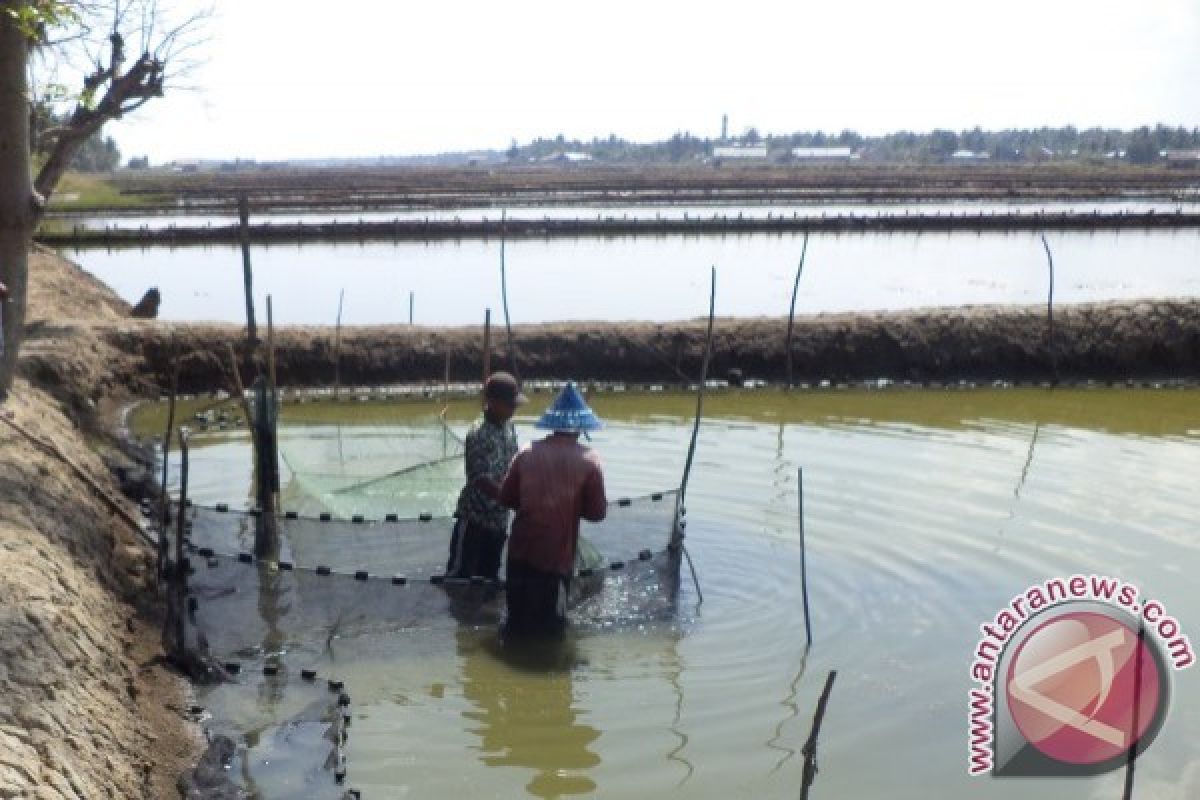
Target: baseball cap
(503, 386)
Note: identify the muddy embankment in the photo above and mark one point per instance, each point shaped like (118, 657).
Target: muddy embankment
(1144, 340)
(88, 708)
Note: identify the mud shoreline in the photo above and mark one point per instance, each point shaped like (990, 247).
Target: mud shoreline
(716, 224)
(91, 709)
(1119, 341)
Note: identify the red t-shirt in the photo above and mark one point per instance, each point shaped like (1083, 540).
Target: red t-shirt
(552, 484)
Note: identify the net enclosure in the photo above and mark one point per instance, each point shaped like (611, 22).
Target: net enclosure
(336, 578)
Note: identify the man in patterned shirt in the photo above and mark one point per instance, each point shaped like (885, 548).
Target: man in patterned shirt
(482, 526)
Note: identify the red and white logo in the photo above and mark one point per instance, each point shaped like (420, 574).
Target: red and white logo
(1084, 689)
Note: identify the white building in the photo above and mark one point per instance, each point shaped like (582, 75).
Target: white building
(824, 154)
(744, 152)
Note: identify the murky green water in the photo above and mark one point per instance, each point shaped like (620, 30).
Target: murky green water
(925, 512)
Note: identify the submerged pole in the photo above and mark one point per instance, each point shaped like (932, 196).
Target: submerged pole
(792, 310)
(247, 271)
(803, 562)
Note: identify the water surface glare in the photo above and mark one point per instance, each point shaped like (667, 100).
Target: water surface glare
(925, 512)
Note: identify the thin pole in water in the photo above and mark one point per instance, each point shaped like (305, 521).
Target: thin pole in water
(512, 351)
(1127, 794)
(337, 346)
(792, 309)
(810, 747)
(411, 300)
(180, 574)
(487, 344)
(677, 534)
(165, 515)
(247, 271)
(1050, 310)
(803, 561)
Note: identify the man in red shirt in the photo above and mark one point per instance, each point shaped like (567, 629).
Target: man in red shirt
(552, 484)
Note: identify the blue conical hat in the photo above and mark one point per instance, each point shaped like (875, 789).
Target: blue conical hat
(569, 413)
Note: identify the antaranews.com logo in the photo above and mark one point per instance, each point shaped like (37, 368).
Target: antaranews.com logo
(1072, 679)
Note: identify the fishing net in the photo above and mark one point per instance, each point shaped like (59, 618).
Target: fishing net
(370, 469)
(289, 732)
(338, 579)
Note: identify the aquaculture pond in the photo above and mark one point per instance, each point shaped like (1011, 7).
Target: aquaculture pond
(925, 512)
(649, 277)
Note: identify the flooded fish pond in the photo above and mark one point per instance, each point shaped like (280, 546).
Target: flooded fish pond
(925, 512)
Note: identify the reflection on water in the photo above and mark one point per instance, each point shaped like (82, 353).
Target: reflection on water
(524, 711)
(925, 512)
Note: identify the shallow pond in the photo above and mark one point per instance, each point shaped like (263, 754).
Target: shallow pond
(925, 512)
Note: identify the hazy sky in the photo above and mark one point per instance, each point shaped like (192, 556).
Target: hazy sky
(291, 78)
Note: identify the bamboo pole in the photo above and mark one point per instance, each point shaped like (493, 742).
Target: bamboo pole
(271, 349)
(487, 345)
(180, 577)
(247, 270)
(677, 533)
(337, 347)
(512, 350)
(687, 464)
(411, 301)
(810, 747)
(792, 309)
(1050, 343)
(803, 562)
(1131, 755)
(165, 509)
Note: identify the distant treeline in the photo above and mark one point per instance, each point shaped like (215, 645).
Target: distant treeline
(1140, 146)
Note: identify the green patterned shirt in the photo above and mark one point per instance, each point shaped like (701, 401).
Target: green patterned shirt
(489, 450)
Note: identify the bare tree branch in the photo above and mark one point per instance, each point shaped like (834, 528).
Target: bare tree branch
(116, 83)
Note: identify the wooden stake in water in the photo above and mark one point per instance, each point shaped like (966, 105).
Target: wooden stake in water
(1050, 343)
(487, 345)
(165, 510)
(179, 579)
(412, 297)
(247, 271)
(677, 534)
(512, 351)
(337, 346)
(810, 747)
(792, 310)
(803, 562)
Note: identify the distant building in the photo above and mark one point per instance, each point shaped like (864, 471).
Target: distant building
(969, 155)
(741, 152)
(567, 158)
(824, 154)
(1181, 158)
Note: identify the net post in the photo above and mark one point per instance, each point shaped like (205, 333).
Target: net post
(165, 509)
(179, 637)
(487, 344)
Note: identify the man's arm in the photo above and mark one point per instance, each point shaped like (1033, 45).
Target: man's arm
(595, 503)
(509, 495)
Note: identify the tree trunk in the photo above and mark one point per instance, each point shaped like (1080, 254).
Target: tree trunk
(17, 208)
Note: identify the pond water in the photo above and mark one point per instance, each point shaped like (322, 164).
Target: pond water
(190, 219)
(650, 278)
(925, 512)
